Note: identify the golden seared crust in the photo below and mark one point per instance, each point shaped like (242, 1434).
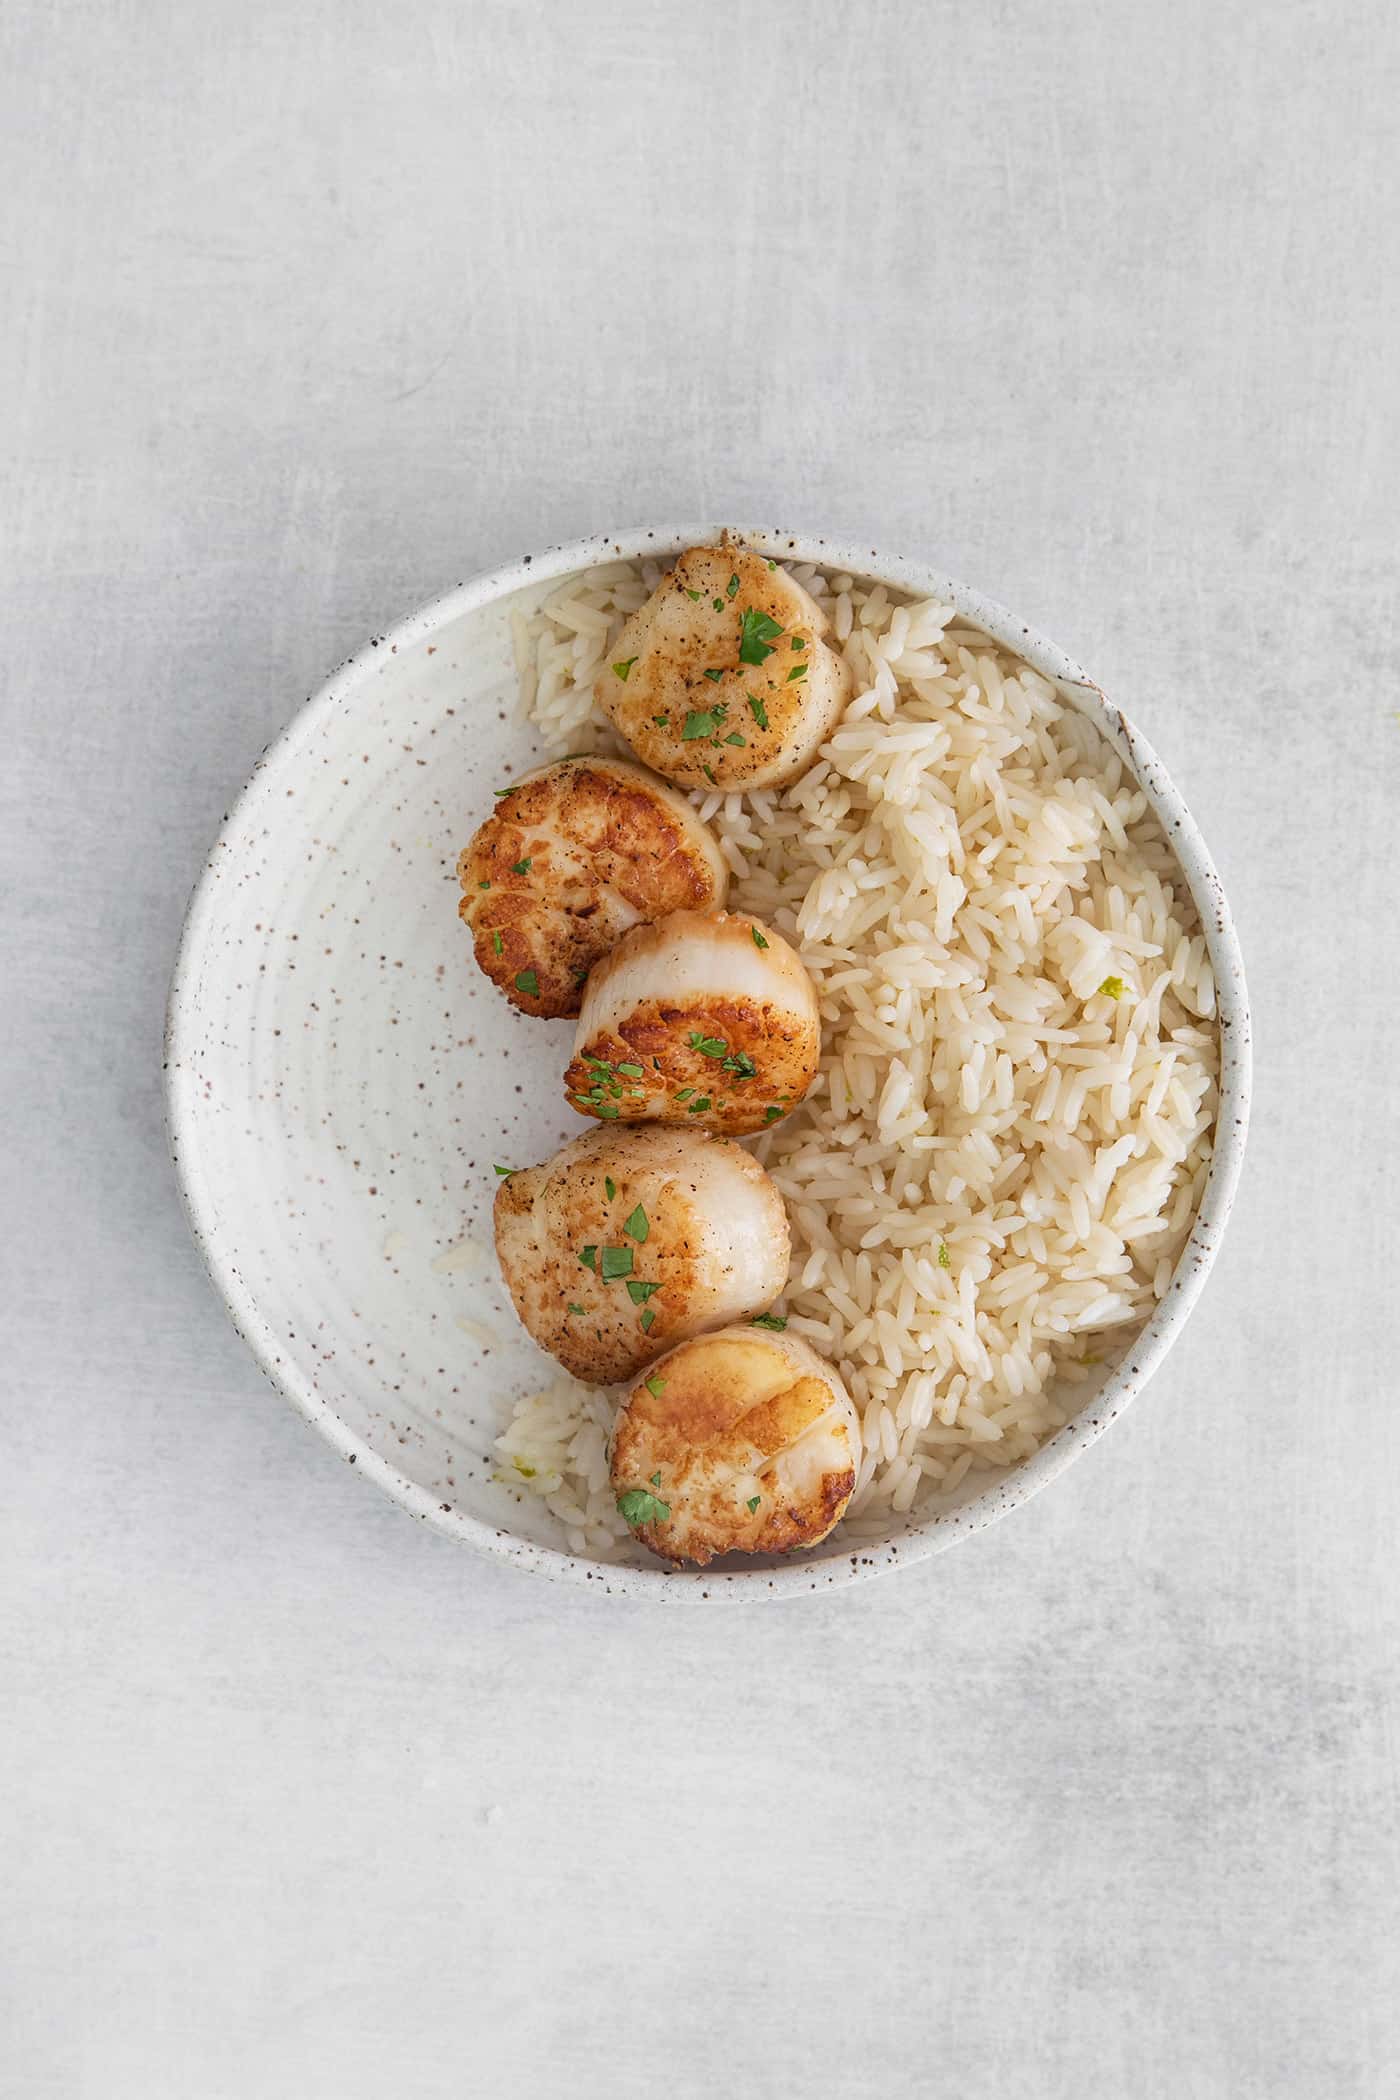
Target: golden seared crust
(630, 1239)
(754, 1443)
(682, 686)
(571, 858)
(729, 1060)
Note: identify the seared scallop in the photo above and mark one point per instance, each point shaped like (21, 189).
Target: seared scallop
(628, 1240)
(702, 1019)
(722, 678)
(740, 1442)
(572, 857)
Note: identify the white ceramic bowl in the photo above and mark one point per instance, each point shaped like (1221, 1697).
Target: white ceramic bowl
(341, 1078)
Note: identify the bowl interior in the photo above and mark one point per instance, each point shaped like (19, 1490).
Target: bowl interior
(343, 1082)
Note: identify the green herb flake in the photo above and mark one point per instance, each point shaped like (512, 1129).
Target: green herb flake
(497, 943)
(685, 1093)
(589, 1257)
(697, 1108)
(630, 1071)
(498, 792)
(757, 631)
(484, 885)
(715, 676)
(639, 1292)
(760, 712)
(528, 983)
(731, 587)
(797, 671)
(1112, 988)
(758, 939)
(655, 1386)
(637, 1226)
(520, 867)
(694, 596)
(577, 1310)
(648, 1320)
(772, 565)
(799, 641)
(701, 721)
(610, 1186)
(771, 1114)
(774, 1322)
(752, 1504)
(735, 738)
(504, 1172)
(662, 721)
(615, 1263)
(741, 1065)
(640, 1506)
(718, 604)
(708, 1045)
(606, 1109)
(709, 776)
(945, 1259)
(624, 670)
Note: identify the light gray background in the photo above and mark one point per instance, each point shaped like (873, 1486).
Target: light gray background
(311, 311)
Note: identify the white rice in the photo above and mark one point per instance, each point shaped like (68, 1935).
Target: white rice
(994, 1175)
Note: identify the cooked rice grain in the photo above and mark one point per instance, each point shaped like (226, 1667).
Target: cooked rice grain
(998, 1166)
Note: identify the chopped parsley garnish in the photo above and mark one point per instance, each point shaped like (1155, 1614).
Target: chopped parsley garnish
(637, 1226)
(497, 943)
(757, 631)
(648, 1319)
(577, 1309)
(614, 1263)
(484, 885)
(760, 712)
(708, 1045)
(774, 1322)
(758, 940)
(718, 604)
(741, 1065)
(630, 1071)
(639, 1292)
(589, 1256)
(520, 867)
(715, 676)
(797, 671)
(697, 1108)
(528, 983)
(606, 1109)
(735, 738)
(656, 1478)
(771, 1113)
(640, 1506)
(662, 721)
(799, 641)
(610, 1186)
(731, 587)
(1112, 987)
(654, 1386)
(709, 776)
(504, 1172)
(623, 670)
(694, 596)
(772, 565)
(498, 792)
(685, 1093)
(945, 1259)
(701, 721)
(752, 1504)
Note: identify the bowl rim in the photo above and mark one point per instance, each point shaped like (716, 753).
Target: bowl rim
(920, 1537)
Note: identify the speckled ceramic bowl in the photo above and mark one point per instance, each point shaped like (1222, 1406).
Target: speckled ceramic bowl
(341, 1078)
